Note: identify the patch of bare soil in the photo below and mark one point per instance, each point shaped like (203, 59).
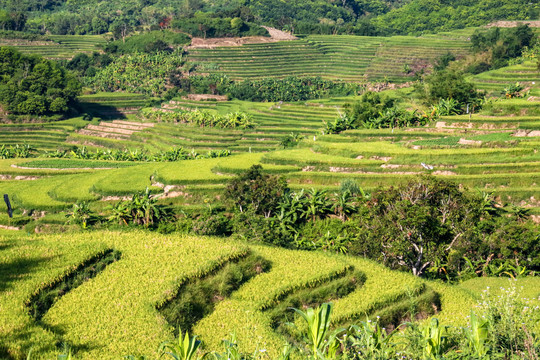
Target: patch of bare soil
(279, 34)
(115, 198)
(378, 87)
(275, 35)
(463, 141)
(528, 133)
(444, 172)
(533, 98)
(507, 24)
(383, 158)
(9, 227)
(199, 97)
(18, 177)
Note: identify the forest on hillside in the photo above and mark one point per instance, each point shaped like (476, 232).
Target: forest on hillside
(244, 17)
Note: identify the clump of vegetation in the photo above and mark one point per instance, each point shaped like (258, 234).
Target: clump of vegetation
(291, 88)
(88, 65)
(148, 42)
(141, 210)
(16, 151)
(502, 45)
(450, 86)
(139, 73)
(428, 227)
(174, 154)
(374, 111)
(201, 118)
(512, 91)
(207, 25)
(33, 85)
(291, 140)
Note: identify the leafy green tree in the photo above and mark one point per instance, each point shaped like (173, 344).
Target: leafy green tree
(370, 105)
(256, 191)
(32, 85)
(449, 84)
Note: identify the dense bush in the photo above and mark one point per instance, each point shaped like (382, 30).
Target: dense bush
(429, 227)
(374, 110)
(205, 25)
(203, 118)
(33, 85)
(291, 88)
(449, 84)
(149, 42)
(173, 154)
(502, 45)
(140, 73)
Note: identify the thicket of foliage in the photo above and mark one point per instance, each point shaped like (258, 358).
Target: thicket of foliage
(449, 85)
(374, 110)
(429, 227)
(290, 88)
(173, 154)
(203, 118)
(501, 45)
(150, 42)
(140, 73)
(85, 65)
(33, 85)
(209, 25)
(219, 18)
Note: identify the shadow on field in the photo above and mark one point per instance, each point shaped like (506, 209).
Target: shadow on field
(17, 270)
(101, 111)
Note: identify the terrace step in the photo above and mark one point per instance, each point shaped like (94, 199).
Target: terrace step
(103, 134)
(122, 126)
(133, 123)
(108, 129)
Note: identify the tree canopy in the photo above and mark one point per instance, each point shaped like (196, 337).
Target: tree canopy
(33, 85)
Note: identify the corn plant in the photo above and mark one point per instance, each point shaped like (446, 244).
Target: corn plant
(318, 325)
(231, 351)
(370, 340)
(477, 336)
(435, 340)
(183, 349)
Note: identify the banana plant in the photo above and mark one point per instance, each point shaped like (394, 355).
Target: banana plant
(185, 348)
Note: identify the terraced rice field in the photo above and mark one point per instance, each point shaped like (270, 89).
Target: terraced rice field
(349, 58)
(496, 80)
(131, 291)
(59, 46)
